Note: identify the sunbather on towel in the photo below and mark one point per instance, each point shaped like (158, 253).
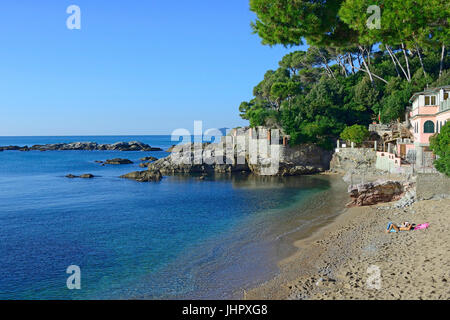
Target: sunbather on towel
(405, 226)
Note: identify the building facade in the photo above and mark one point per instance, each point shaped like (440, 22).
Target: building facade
(429, 111)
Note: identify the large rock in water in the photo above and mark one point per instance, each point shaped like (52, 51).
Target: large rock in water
(201, 158)
(83, 176)
(118, 161)
(149, 158)
(89, 146)
(366, 194)
(216, 158)
(14, 148)
(144, 176)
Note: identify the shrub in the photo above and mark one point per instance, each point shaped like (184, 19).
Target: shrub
(440, 144)
(355, 133)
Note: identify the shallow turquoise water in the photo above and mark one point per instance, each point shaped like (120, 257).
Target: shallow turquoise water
(180, 238)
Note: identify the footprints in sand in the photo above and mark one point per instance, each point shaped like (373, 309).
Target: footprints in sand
(414, 265)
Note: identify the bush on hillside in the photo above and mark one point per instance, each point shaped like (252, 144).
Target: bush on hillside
(355, 133)
(440, 144)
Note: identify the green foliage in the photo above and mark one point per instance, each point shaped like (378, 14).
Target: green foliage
(313, 106)
(288, 21)
(355, 133)
(351, 74)
(440, 144)
(443, 80)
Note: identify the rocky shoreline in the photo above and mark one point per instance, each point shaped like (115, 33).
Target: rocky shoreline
(87, 146)
(335, 262)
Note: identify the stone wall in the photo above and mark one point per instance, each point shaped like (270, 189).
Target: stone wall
(430, 185)
(356, 160)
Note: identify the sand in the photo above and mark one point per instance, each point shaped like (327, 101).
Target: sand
(353, 257)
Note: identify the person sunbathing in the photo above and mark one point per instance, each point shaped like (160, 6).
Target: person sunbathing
(405, 226)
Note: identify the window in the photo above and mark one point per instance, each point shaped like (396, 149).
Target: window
(430, 100)
(445, 95)
(428, 127)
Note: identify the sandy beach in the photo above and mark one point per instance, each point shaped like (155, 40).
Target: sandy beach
(343, 260)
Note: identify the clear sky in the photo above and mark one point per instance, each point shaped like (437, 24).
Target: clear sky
(135, 67)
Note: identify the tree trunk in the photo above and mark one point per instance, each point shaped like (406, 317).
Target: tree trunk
(365, 64)
(441, 67)
(421, 61)
(407, 61)
(393, 61)
(372, 75)
(399, 64)
(350, 60)
(342, 65)
(325, 63)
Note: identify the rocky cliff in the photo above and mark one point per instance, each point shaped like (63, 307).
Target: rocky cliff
(355, 160)
(217, 158)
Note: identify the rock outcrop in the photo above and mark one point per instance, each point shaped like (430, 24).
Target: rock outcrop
(144, 176)
(14, 148)
(366, 194)
(201, 158)
(355, 160)
(118, 161)
(83, 176)
(297, 160)
(171, 148)
(89, 146)
(216, 158)
(149, 158)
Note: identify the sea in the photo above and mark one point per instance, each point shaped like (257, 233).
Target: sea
(181, 238)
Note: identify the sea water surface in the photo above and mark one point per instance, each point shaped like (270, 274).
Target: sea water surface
(180, 238)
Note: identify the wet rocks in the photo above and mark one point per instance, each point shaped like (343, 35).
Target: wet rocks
(87, 146)
(87, 176)
(116, 161)
(144, 176)
(14, 148)
(83, 176)
(366, 194)
(150, 158)
(144, 164)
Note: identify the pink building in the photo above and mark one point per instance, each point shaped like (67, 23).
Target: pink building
(430, 110)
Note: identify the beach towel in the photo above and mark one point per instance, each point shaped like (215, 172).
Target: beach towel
(418, 227)
(422, 226)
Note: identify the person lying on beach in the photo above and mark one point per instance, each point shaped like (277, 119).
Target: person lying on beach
(405, 226)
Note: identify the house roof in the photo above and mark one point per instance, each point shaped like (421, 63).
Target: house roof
(428, 90)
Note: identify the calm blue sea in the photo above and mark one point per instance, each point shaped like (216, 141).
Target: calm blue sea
(180, 238)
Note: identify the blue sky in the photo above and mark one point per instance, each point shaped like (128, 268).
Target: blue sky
(135, 67)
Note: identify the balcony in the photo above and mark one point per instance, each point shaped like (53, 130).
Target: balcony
(445, 105)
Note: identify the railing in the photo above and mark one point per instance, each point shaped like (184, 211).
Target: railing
(445, 105)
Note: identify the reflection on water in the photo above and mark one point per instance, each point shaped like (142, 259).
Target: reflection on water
(180, 238)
